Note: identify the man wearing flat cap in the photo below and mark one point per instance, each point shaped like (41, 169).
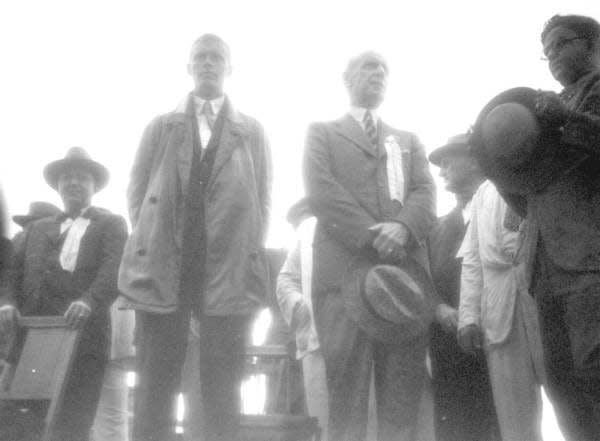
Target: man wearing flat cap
(374, 200)
(67, 265)
(463, 405)
(558, 193)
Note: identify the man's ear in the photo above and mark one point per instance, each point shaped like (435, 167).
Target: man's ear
(189, 68)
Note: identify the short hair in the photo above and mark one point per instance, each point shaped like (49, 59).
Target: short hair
(584, 27)
(356, 60)
(215, 39)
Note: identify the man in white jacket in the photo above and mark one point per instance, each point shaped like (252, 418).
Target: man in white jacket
(498, 314)
(294, 298)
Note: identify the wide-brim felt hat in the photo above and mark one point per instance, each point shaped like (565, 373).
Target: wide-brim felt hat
(457, 144)
(514, 147)
(390, 303)
(37, 210)
(76, 158)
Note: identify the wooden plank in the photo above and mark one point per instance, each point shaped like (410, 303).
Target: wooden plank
(52, 321)
(267, 351)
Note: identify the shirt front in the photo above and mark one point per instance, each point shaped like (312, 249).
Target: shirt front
(205, 126)
(394, 164)
(75, 229)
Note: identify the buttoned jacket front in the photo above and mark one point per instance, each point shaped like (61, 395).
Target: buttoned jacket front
(236, 207)
(345, 177)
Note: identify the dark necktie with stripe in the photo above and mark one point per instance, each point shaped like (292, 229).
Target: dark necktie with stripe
(370, 128)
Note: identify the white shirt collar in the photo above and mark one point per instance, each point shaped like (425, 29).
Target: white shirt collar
(466, 213)
(358, 113)
(216, 104)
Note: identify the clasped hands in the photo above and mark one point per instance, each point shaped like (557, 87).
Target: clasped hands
(390, 240)
(76, 316)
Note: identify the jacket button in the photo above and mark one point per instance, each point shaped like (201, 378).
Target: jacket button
(153, 199)
(141, 252)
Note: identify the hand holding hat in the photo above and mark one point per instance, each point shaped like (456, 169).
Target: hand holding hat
(550, 109)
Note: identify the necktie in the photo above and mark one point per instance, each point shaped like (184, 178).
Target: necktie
(370, 129)
(207, 111)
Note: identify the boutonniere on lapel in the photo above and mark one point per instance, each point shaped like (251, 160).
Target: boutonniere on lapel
(391, 143)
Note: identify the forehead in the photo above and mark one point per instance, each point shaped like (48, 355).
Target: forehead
(558, 33)
(76, 172)
(454, 158)
(366, 60)
(209, 45)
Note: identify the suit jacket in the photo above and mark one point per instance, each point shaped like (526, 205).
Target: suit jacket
(36, 272)
(565, 216)
(346, 179)
(444, 242)
(236, 207)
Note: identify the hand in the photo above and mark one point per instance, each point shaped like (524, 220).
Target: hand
(300, 316)
(551, 109)
(447, 317)
(390, 240)
(470, 338)
(77, 314)
(8, 318)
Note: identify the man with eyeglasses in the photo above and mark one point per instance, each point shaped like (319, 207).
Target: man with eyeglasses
(564, 227)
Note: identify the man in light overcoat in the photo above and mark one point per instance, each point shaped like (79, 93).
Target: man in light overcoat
(199, 204)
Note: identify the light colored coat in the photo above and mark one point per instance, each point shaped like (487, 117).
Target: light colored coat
(236, 212)
(294, 287)
(493, 267)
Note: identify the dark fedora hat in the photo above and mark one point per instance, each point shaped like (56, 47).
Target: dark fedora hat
(391, 303)
(513, 146)
(37, 210)
(76, 158)
(457, 144)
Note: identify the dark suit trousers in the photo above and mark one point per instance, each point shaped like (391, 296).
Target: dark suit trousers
(463, 404)
(350, 358)
(82, 394)
(161, 344)
(570, 328)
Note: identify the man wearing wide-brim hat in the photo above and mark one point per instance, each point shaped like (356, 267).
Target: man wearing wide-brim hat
(549, 172)
(68, 266)
(463, 405)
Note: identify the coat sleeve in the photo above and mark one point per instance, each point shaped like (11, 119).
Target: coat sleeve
(419, 210)
(471, 279)
(11, 275)
(289, 284)
(142, 168)
(103, 290)
(337, 210)
(264, 178)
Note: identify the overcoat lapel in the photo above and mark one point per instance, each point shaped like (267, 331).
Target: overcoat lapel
(350, 129)
(230, 140)
(185, 148)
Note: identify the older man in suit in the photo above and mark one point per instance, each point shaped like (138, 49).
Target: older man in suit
(373, 194)
(199, 200)
(67, 265)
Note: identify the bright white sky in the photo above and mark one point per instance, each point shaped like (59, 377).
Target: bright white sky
(95, 73)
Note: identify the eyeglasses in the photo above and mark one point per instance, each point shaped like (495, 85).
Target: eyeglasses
(559, 46)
